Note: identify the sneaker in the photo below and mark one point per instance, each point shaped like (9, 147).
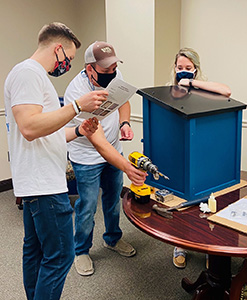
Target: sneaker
(122, 247)
(84, 265)
(179, 258)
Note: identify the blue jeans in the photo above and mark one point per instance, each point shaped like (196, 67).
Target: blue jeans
(48, 250)
(90, 178)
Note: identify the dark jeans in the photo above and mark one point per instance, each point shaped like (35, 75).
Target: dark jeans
(89, 180)
(48, 250)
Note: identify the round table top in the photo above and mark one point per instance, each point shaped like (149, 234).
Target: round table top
(188, 228)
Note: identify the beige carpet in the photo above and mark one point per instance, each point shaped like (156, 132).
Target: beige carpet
(150, 275)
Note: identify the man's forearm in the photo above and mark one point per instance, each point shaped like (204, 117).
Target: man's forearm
(111, 155)
(124, 112)
(33, 123)
(106, 150)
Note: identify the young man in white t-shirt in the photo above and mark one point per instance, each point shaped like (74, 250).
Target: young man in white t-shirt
(38, 157)
(96, 170)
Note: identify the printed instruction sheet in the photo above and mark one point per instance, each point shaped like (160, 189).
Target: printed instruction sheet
(236, 212)
(119, 92)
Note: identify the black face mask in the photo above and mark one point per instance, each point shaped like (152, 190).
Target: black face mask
(61, 67)
(103, 78)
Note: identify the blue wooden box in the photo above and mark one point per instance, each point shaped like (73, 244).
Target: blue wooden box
(194, 137)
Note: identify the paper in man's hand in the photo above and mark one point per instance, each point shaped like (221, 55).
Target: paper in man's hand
(119, 93)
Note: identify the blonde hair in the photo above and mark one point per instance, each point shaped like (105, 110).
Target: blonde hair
(193, 56)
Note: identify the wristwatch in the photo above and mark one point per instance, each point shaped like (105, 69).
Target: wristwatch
(77, 132)
(123, 123)
(191, 81)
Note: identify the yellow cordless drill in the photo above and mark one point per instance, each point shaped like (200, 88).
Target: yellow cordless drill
(140, 161)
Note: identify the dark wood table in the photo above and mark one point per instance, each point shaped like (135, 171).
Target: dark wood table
(187, 229)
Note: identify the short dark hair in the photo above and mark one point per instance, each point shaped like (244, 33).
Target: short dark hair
(57, 31)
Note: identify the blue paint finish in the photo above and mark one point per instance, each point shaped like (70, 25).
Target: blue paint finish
(200, 155)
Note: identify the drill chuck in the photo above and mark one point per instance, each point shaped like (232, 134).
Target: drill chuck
(150, 167)
(144, 163)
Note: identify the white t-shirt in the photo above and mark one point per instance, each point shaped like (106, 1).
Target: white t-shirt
(80, 149)
(38, 167)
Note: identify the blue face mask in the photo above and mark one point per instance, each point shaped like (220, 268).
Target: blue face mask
(184, 74)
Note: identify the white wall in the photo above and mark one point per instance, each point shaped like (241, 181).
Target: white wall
(146, 35)
(130, 29)
(217, 31)
(167, 38)
(90, 23)
(20, 22)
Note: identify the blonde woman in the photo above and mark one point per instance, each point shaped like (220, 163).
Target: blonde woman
(186, 71)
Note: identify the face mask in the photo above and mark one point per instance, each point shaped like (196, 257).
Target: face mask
(184, 74)
(103, 78)
(61, 67)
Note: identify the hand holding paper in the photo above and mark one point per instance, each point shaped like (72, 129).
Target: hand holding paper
(119, 92)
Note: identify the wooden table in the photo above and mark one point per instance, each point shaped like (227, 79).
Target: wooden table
(187, 229)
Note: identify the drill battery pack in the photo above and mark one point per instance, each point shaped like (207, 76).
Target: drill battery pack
(140, 194)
